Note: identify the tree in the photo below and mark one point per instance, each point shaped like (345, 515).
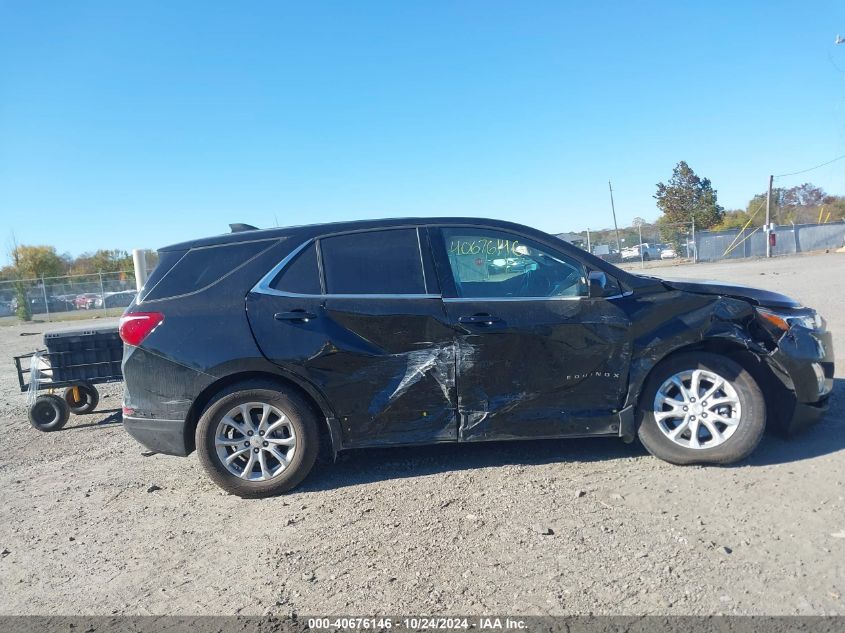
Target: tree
(687, 196)
(23, 312)
(103, 261)
(806, 195)
(736, 219)
(37, 261)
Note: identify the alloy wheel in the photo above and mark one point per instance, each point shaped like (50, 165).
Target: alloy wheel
(255, 441)
(697, 409)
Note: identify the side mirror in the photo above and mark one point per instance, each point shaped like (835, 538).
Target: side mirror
(597, 280)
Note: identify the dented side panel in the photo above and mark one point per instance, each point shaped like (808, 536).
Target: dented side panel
(664, 322)
(386, 365)
(545, 368)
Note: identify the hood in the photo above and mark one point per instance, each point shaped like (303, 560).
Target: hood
(757, 296)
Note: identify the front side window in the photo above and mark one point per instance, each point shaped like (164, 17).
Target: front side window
(501, 265)
(384, 262)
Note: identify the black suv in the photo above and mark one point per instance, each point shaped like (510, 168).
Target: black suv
(260, 348)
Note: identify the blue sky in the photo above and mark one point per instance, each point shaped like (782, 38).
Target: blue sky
(140, 124)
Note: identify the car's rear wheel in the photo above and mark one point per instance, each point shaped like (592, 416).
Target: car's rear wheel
(701, 408)
(257, 440)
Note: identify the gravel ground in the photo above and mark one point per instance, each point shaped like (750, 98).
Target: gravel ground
(91, 526)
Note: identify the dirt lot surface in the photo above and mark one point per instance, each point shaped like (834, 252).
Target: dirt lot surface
(90, 525)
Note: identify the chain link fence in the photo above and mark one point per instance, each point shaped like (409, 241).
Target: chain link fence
(71, 296)
(789, 239)
(640, 244)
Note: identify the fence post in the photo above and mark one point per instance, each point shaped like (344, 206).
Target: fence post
(139, 260)
(640, 231)
(102, 293)
(769, 218)
(694, 245)
(46, 304)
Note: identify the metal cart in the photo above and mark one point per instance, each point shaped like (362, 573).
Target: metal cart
(74, 361)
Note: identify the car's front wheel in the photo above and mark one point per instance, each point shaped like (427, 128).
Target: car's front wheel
(257, 440)
(701, 408)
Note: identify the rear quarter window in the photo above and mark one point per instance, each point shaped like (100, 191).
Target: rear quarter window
(302, 275)
(199, 268)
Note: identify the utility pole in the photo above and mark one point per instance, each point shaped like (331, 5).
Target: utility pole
(615, 226)
(589, 246)
(769, 218)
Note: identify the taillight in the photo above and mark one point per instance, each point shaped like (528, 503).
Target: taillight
(136, 326)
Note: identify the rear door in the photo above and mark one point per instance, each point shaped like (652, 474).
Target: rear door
(359, 315)
(536, 357)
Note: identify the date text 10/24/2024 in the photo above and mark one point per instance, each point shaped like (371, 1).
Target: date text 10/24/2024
(415, 623)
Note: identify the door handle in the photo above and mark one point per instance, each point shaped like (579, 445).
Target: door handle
(299, 316)
(479, 319)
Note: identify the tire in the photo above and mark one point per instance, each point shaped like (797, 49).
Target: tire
(242, 477)
(739, 427)
(88, 399)
(49, 413)
(646, 257)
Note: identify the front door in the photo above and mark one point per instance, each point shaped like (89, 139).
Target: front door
(535, 356)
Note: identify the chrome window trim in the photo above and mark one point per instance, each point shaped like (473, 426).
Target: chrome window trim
(263, 286)
(578, 298)
(473, 299)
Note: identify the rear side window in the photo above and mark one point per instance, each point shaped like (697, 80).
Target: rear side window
(375, 262)
(301, 276)
(201, 267)
(166, 261)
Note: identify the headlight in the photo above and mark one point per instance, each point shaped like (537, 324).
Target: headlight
(784, 320)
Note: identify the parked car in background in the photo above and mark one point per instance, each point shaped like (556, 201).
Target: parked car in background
(37, 305)
(86, 301)
(668, 253)
(68, 299)
(259, 349)
(607, 253)
(632, 253)
(119, 299)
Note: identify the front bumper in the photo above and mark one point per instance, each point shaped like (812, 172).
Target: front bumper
(800, 355)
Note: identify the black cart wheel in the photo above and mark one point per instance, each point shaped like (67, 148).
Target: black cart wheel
(82, 398)
(49, 413)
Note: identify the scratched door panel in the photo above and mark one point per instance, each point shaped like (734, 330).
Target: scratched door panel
(390, 370)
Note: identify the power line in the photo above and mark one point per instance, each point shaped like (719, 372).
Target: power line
(804, 171)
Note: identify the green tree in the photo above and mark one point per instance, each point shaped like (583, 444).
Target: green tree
(103, 261)
(37, 261)
(735, 219)
(687, 196)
